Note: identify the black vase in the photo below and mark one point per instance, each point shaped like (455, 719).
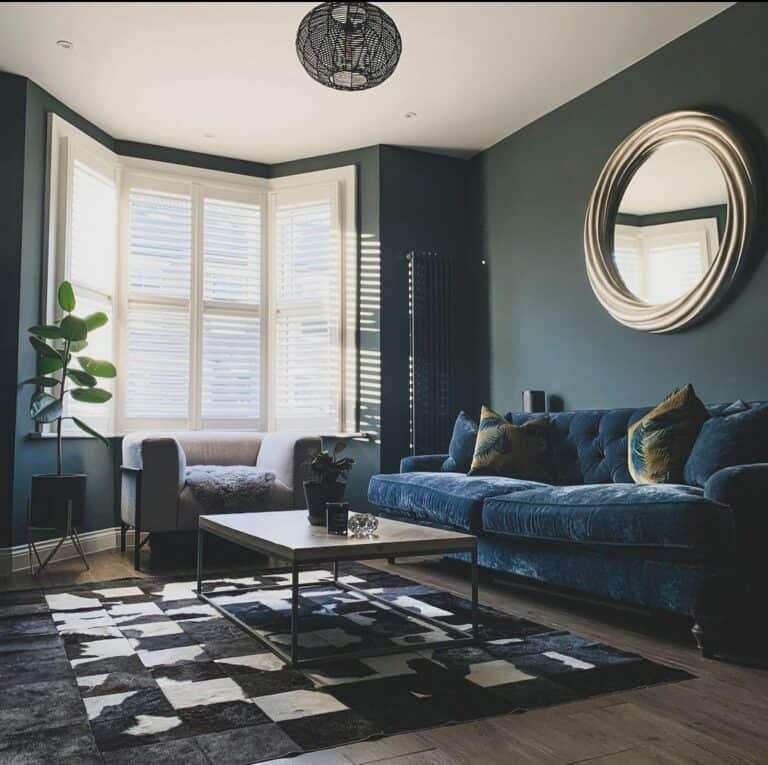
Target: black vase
(318, 494)
(50, 497)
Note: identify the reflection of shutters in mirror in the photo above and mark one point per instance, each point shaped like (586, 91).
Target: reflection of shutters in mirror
(675, 264)
(628, 262)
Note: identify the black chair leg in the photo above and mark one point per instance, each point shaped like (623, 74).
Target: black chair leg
(136, 549)
(123, 534)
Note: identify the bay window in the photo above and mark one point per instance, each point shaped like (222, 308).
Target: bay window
(231, 298)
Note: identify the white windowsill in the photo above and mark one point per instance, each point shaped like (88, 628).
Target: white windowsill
(35, 436)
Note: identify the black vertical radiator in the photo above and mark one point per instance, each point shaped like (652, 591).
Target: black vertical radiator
(429, 295)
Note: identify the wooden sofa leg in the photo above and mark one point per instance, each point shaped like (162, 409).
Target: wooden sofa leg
(708, 636)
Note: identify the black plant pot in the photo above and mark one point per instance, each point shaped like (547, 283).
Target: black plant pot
(318, 494)
(50, 496)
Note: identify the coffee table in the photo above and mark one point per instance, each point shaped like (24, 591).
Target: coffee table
(287, 535)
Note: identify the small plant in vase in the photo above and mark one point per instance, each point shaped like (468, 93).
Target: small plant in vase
(57, 347)
(327, 486)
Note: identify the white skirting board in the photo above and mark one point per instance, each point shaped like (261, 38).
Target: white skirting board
(17, 558)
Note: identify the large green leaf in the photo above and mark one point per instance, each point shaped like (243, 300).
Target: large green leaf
(78, 345)
(81, 378)
(90, 395)
(66, 297)
(74, 328)
(41, 382)
(88, 429)
(47, 366)
(97, 367)
(44, 351)
(96, 320)
(51, 331)
(44, 408)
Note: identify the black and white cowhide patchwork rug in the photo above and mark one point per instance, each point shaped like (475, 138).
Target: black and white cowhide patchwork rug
(141, 671)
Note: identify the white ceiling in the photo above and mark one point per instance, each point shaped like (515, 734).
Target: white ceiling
(169, 73)
(679, 176)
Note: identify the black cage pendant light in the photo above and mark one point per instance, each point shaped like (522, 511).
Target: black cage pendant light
(348, 46)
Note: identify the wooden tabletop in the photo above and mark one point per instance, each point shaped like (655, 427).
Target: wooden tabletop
(288, 534)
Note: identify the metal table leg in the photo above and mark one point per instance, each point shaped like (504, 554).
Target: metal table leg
(294, 614)
(475, 581)
(291, 657)
(199, 561)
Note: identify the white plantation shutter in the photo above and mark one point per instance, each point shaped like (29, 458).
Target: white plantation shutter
(157, 363)
(157, 330)
(231, 252)
(93, 230)
(627, 257)
(231, 367)
(91, 267)
(231, 324)
(308, 305)
(160, 244)
(674, 268)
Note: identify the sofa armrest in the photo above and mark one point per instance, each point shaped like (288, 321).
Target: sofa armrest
(423, 463)
(163, 467)
(744, 488)
(288, 455)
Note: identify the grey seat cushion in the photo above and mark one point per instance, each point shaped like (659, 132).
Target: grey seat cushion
(652, 518)
(230, 488)
(450, 500)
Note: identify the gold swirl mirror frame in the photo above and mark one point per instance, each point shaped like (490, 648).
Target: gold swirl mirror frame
(732, 156)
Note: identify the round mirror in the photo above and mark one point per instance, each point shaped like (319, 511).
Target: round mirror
(669, 221)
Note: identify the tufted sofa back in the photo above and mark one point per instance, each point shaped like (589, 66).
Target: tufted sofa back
(590, 446)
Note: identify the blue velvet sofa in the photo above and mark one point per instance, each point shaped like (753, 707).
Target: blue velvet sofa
(687, 549)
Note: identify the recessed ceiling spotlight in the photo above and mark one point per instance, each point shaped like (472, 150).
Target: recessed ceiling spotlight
(209, 135)
(66, 44)
(410, 115)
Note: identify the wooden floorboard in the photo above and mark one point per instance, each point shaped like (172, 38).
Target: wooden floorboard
(720, 716)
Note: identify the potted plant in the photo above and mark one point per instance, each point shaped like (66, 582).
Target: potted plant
(328, 469)
(57, 347)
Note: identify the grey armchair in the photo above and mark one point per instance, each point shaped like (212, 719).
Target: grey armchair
(156, 493)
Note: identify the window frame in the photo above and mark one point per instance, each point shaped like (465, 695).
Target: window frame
(67, 145)
(203, 184)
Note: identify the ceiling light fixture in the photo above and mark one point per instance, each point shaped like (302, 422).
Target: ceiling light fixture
(348, 46)
(410, 115)
(66, 44)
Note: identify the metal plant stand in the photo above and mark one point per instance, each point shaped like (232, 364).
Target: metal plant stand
(70, 532)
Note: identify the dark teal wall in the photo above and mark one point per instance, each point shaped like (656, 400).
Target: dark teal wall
(38, 456)
(547, 329)
(424, 208)
(190, 158)
(13, 97)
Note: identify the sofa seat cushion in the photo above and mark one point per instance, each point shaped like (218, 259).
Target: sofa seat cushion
(653, 518)
(451, 500)
(214, 489)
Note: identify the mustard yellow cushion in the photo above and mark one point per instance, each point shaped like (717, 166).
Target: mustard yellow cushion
(515, 451)
(659, 443)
